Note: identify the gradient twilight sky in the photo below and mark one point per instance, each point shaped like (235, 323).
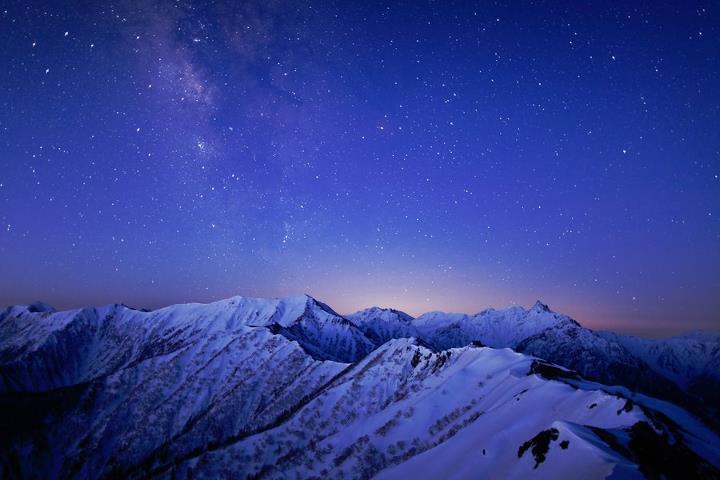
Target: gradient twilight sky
(419, 155)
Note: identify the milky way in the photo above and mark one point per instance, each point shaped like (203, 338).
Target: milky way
(420, 155)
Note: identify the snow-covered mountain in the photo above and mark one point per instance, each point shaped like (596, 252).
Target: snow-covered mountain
(287, 388)
(599, 359)
(692, 361)
(682, 369)
(494, 328)
(42, 349)
(383, 324)
(683, 358)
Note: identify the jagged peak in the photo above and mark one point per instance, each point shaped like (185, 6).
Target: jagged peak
(298, 298)
(303, 299)
(540, 307)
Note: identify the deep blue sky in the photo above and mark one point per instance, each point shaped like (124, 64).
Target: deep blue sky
(420, 155)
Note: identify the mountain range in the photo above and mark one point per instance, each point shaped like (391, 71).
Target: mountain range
(288, 388)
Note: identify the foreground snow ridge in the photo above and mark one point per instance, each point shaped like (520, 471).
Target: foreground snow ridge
(288, 388)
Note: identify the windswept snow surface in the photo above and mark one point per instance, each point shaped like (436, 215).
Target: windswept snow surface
(287, 388)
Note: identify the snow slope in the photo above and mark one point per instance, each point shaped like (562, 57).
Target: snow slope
(389, 409)
(682, 369)
(40, 350)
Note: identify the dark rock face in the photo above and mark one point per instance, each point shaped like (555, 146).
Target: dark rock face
(658, 455)
(539, 445)
(552, 372)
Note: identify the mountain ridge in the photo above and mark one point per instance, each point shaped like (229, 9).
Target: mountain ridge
(299, 317)
(277, 388)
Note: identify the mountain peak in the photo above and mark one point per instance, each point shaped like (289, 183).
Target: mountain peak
(293, 307)
(40, 307)
(298, 298)
(540, 307)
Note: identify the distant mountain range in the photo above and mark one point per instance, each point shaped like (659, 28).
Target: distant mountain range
(288, 388)
(683, 369)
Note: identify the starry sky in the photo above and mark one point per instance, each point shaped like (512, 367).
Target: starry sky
(421, 155)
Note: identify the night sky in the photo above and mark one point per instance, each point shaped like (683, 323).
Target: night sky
(420, 155)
